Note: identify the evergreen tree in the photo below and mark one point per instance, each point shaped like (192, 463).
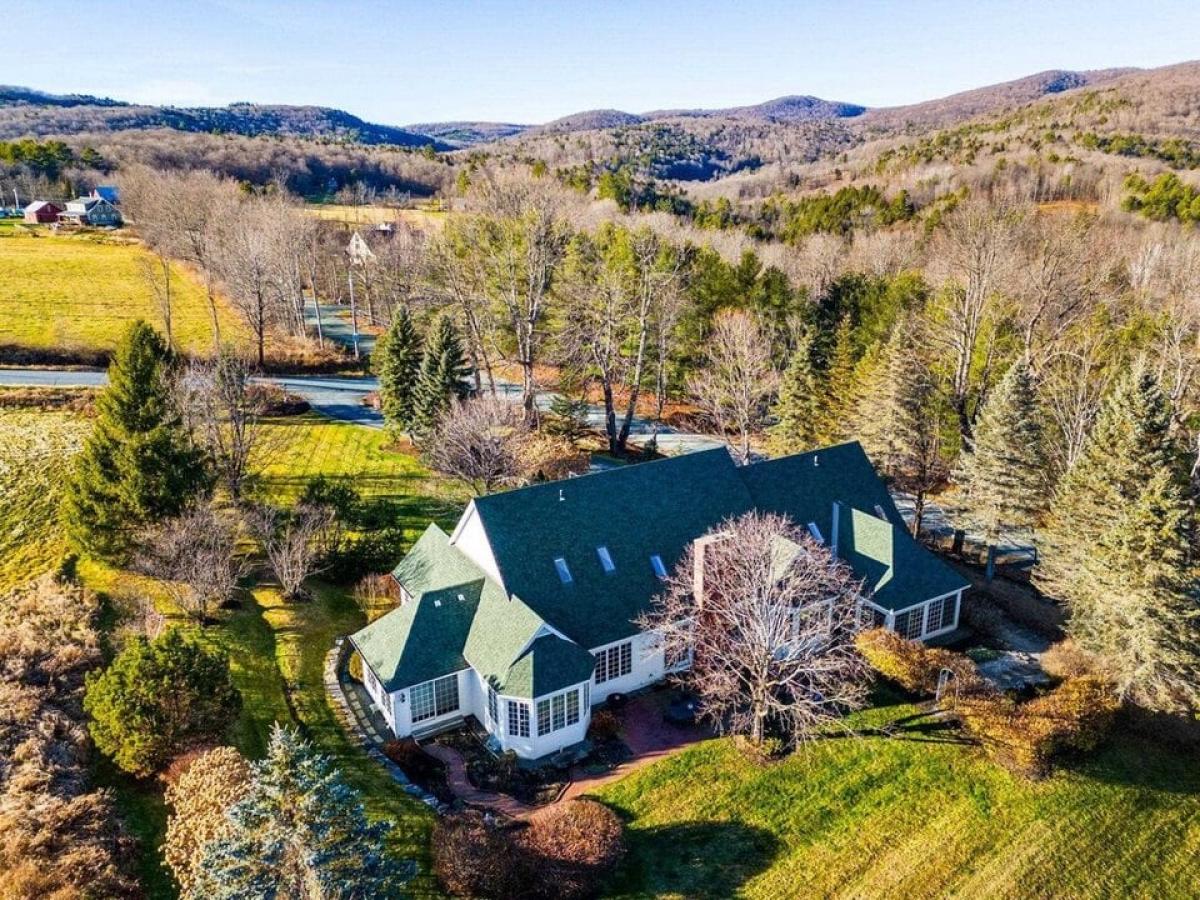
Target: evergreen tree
(156, 698)
(1115, 549)
(796, 410)
(299, 833)
(1003, 476)
(897, 416)
(397, 361)
(442, 377)
(838, 397)
(139, 465)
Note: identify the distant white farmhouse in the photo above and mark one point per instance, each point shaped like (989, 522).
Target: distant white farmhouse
(523, 617)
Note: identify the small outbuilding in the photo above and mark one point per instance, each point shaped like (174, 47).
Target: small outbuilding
(42, 212)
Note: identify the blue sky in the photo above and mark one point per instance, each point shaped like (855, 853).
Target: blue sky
(400, 62)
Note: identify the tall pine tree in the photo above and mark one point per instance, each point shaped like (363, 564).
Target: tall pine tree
(797, 428)
(838, 395)
(299, 833)
(397, 361)
(1115, 549)
(1003, 475)
(897, 415)
(139, 465)
(442, 377)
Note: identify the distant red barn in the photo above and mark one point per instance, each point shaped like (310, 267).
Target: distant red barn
(43, 211)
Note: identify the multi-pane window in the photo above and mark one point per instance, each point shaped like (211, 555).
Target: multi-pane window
(557, 712)
(948, 608)
(493, 713)
(587, 694)
(518, 718)
(933, 620)
(614, 662)
(909, 624)
(435, 698)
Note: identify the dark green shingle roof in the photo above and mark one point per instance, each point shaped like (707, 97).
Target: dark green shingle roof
(896, 570)
(460, 616)
(550, 664)
(635, 511)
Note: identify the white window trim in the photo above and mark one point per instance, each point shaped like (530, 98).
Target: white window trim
(924, 606)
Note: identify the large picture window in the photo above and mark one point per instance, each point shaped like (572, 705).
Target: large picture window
(434, 698)
(557, 712)
(518, 718)
(909, 624)
(614, 662)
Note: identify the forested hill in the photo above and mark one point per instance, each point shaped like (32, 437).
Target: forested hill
(25, 112)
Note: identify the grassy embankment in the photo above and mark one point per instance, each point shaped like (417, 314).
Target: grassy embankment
(73, 293)
(277, 649)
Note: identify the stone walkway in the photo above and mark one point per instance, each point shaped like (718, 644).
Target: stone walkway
(360, 730)
(460, 784)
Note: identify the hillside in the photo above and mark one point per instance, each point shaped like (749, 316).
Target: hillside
(25, 112)
(781, 109)
(964, 105)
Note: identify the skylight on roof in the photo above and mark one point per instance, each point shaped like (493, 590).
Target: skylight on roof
(879, 512)
(606, 560)
(656, 563)
(564, 574)
(816, 533)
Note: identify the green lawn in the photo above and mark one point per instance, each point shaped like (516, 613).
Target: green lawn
(915, 815)
(78, 291)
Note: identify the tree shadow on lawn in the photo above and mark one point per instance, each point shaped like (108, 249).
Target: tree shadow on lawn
(1138, 762)
(705, 860)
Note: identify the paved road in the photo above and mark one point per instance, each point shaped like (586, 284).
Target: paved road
(342, 398)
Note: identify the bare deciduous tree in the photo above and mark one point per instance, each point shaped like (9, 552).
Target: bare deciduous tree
(736, 380)
(521, 241)
(195, 556)
(225, 411)
(292, 543)
(478, 443)
(974, 256)
(156, 272)
(768, 616)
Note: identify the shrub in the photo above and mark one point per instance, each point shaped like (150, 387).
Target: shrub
(474, 859)
(1066, 659)
(605, 726)
(199, 799)
(158, 698)
(59, 838)
(573, 847)
(1027, 737)
(911, 664)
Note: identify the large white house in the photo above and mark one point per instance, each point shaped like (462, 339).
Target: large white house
(523, 617)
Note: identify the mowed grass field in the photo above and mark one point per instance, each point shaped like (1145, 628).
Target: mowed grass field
(77, 292)
(910, 816)
(35, 452)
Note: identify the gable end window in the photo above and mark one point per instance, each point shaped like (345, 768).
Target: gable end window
(614, 662)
